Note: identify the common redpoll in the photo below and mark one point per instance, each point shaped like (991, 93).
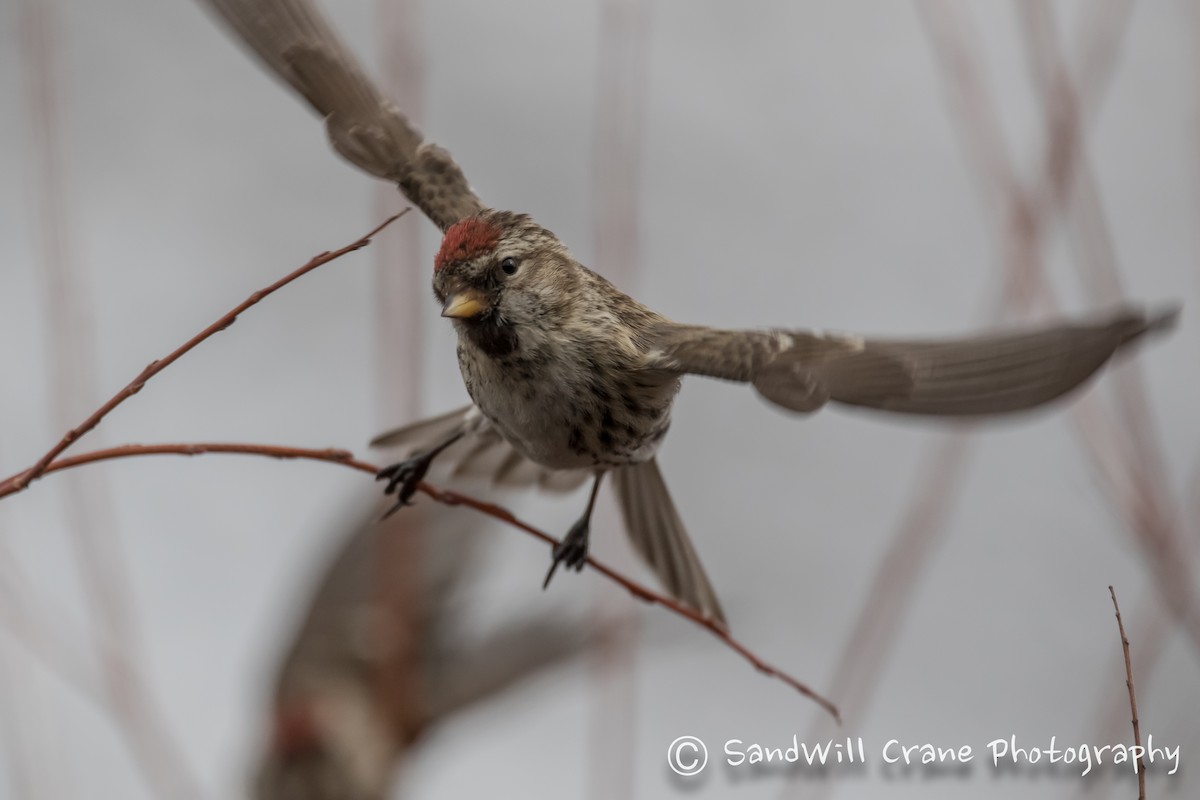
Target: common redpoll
(572, 378)
(574, 375)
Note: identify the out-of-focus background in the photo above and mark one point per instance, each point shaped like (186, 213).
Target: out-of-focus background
(875, 167)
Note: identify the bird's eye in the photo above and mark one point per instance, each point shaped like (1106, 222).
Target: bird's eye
(509, 265)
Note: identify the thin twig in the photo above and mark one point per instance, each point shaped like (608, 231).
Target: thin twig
(1137, 731)
(19, 481)
(124, 451)
(640, 592)
(47, 464)
(446, 497)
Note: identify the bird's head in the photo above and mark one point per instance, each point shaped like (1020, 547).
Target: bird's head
(498, 268)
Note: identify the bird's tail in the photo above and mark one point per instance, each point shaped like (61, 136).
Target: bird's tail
(658, 536)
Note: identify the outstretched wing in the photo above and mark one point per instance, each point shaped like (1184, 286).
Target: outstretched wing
(989, 374)
(294, 41)
(481, 452)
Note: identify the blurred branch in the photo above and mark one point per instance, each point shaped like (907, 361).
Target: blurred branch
(1023, 216)
(398, 563)
(71, 358)
(1137, 731)
(616, 201)
(33, 627)
(897, 576)
(1020, 220)
(21, 759)
(1126, 455)
(445, 497)
(398, 264)
(1150, 512)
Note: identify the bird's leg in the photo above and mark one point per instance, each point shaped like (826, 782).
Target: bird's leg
(573, 549)
(404, 476)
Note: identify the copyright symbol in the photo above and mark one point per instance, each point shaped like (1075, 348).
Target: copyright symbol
(687, 755)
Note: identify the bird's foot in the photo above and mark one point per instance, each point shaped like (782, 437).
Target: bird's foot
(403, 479)
(572, 550)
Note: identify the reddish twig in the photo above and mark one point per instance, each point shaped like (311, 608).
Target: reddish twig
(48, 463)
(19, 481)
(446, 497)
(638, 591)
(1137, 731)
(274, 451)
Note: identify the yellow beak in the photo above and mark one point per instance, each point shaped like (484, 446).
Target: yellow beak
(464, 305)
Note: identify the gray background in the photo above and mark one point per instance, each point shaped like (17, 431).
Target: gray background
(801, 167)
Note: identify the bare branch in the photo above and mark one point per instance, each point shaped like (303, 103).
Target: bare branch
(21, 480)
(446, 497)
(47, 464)
(1137, 732)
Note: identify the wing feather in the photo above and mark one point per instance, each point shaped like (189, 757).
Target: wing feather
(481, 453)
(293, 40)
(995, 373)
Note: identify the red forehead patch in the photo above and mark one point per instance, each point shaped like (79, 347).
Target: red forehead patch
(465, 240)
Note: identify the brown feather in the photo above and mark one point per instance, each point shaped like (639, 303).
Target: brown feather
(293, 40)
(989, 374)
(657, 534)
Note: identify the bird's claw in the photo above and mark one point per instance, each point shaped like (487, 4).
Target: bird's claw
(403, 479)
(571, 551)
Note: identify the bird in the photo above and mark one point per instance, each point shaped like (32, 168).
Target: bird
(571, 379)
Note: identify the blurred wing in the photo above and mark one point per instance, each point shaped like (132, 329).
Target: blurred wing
(658, 536)
(295, 42)
(990, 374)
(337, 621)
(481, 453)
(465, 674)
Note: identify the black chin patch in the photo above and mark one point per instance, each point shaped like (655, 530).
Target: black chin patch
(495, 338)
